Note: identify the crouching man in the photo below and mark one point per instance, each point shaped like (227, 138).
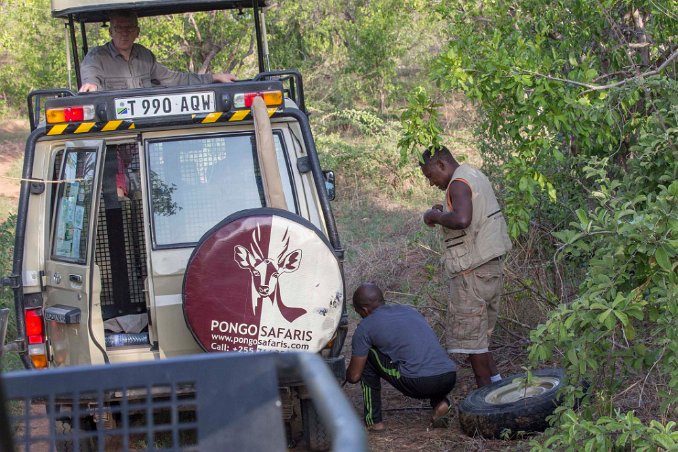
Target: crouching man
(395, 342)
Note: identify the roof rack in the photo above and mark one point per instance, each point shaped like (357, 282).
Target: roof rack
(93, 11)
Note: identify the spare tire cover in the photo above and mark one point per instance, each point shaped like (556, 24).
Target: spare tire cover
(263, 279)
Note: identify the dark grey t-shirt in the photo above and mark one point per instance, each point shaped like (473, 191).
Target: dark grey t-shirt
(403, 334)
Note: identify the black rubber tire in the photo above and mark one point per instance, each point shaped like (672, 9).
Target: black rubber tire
(63, 427)
(317, 437)
(479, 416)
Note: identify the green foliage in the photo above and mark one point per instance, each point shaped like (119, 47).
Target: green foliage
(536, 74)
(7, 229)
(376, 41)
(617, 432)
(421, 129)
(364, 122)
(212, 41)
(626, 311)
(303, 35)
(579, 122)
(33, 45)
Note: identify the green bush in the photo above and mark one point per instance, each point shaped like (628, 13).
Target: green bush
(7, 228)
(583, 131)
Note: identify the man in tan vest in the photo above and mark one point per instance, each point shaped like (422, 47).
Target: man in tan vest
(475, 240)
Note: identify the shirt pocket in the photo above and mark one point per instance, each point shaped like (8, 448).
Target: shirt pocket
(146, 82)
(458, 256)
(115, 83)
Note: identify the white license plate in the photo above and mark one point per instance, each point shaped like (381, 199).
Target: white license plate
(164, 105)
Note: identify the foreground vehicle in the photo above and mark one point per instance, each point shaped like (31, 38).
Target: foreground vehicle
(220, 419)
(158, 222)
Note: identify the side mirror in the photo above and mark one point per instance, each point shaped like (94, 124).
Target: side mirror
(329, 184)
(4, 318)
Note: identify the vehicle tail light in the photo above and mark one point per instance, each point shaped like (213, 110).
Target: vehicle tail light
(38, 354)
(70, 114)
(271, 99)
(35, 333)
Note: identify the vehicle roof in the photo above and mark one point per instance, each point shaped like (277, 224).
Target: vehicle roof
(97, 11)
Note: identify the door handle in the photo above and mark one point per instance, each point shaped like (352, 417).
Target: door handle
(75, 279)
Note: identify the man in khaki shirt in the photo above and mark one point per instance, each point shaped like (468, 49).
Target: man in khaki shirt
(122, 64)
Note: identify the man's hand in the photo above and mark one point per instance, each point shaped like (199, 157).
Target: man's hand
(437, 207)
(88, 88)
(223, 77)
(355, 368)
(431, 216)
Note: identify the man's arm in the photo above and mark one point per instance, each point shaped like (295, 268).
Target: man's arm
(90, 72)
(462, 209)
(355, 368)
(167, 77)
(223, 77)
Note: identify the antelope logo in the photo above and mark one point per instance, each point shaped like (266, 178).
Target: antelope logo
(265, 273)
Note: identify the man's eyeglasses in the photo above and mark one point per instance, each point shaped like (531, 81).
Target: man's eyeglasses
(125, 30)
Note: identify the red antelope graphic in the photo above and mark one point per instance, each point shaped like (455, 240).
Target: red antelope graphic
(265, 273)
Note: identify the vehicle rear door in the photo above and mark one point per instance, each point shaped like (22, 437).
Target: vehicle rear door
(72, 282)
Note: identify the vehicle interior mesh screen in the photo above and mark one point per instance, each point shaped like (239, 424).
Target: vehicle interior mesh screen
(135, 254)
(120, 250)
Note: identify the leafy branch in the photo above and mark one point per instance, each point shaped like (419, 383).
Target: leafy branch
(421, 129)
(592, 87)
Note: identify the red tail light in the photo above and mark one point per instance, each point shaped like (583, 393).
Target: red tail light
(35, 331)
(271, 99)
(70, 114)
(34, 326)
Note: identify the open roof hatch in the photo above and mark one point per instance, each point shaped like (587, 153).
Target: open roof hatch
(84, 11)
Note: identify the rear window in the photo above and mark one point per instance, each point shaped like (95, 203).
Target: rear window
(196, 182)
(74, 201)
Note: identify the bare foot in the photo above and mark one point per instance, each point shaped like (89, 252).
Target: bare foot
(441, 415)
(441, 409)
(378, 427)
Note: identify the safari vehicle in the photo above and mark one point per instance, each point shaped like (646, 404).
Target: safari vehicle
(167, 221)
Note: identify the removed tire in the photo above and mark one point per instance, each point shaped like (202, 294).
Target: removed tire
(508, 407)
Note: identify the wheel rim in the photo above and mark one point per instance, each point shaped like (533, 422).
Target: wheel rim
(516, 390)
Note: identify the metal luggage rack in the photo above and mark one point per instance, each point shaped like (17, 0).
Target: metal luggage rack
(207, 402)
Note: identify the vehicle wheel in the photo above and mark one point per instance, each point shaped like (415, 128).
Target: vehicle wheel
(506, 408)
(317, 437)
(66, 437)
(63, 429)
